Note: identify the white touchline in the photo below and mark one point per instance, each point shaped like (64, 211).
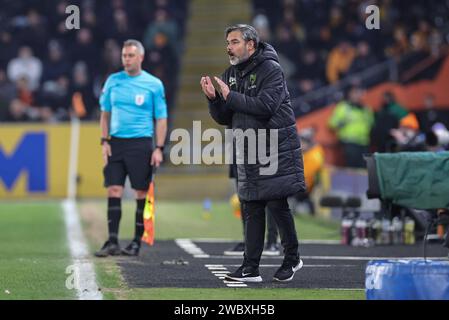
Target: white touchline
(88, 288)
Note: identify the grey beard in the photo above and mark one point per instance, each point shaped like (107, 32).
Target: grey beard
(236, 60)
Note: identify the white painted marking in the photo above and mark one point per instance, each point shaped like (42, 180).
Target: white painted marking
(305, 241)
(87, 286)
(304, 266)
(233, 282)
(237, 285)
(332, 258)
(188, 246)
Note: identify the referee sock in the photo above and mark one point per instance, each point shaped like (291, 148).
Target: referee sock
(139, 220)
(114, 216)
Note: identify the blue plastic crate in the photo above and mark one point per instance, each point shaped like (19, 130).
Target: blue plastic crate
(407, 280)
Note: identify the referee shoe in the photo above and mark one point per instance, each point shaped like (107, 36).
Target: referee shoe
(132, 249)
(109, 249)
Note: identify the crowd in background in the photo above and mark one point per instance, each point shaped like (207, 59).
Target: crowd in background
(48, 70)
(321, 42)
(392, 128)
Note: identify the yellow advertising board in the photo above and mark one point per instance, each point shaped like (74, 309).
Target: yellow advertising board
(34, 160)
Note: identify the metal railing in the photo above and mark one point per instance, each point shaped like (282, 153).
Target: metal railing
(321, 97)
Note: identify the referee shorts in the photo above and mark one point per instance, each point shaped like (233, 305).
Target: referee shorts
(130, 157)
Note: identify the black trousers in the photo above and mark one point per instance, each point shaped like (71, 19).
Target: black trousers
(254, 212)
(272, 232)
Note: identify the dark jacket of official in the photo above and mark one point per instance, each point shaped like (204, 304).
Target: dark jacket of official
(259, 99)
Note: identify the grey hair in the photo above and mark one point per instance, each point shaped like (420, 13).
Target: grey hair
(248, 33)
(136, 43)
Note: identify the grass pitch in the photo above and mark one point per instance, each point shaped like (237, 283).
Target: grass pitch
(35, 252)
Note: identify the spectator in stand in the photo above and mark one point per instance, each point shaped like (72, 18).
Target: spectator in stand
(387, 118)
(337, 22)
(363, 59)
(352, 122)
(408, 136)
(162, 23)
(419, 50)
(9, 48)
(88, 17)
(423, 33)
(54, 101)
(339, 61)
(22, 108)
(56, 65)
(262, 26)
(429, 115)
(287, 45)
(83, 101)
(162, 63)
(58, 19)
(292, 24)
(400, 46)
(120, 29)
(25, 65)
(8, 93)
(105, 24)
(85, 49)
(310, 74)
(24, 93)
(111, 57)
(33, 32)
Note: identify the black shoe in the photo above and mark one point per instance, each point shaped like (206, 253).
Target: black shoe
(132, 249)
(245, 274)
(271, 249)
(238, 250)
(109, 249)
(286, 272)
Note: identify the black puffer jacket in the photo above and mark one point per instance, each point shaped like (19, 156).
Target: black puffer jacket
(259, 99)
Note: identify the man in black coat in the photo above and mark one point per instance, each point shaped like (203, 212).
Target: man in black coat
(253, 98)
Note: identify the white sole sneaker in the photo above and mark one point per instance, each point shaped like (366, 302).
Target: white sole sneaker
(246, 279)
(294, 269)
(271, 253)
(233, 253)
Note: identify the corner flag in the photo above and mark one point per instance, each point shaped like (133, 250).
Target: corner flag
(148, 216)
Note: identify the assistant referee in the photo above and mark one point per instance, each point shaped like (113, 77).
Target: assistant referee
(131, 101)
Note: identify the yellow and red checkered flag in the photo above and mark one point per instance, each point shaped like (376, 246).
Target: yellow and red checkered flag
(148, 216)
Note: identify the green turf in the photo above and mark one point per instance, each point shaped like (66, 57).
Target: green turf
(34, 252)
(187, 220)
(244, 294)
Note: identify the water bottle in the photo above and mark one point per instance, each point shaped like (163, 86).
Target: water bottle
(207, 206)
(385, 237)
(346, 232)
(409, 231)
(377, 231)
(396, 227)
(360, 226)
